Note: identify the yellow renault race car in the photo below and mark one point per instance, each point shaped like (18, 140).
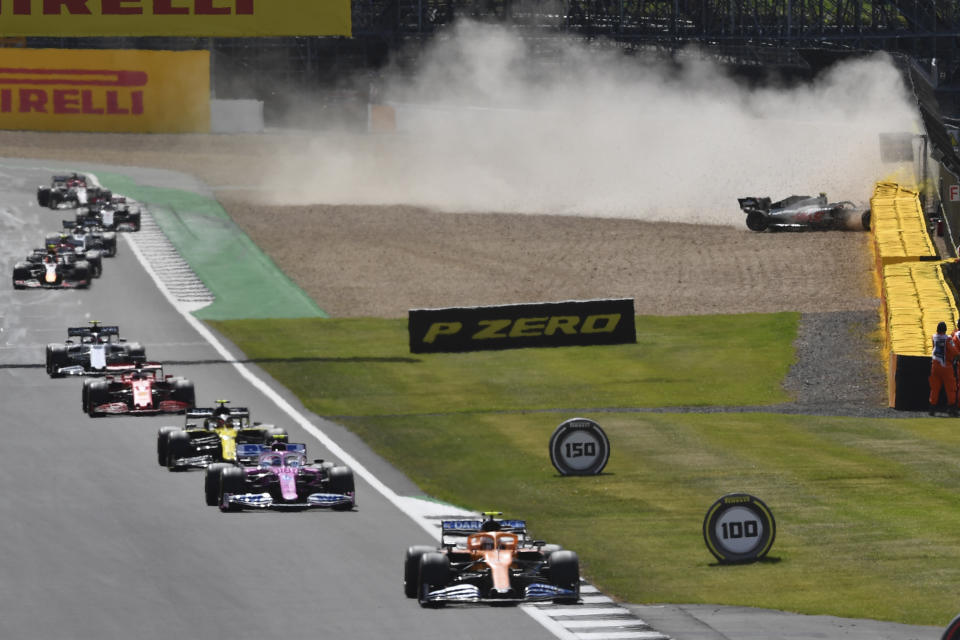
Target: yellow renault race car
(210, 436)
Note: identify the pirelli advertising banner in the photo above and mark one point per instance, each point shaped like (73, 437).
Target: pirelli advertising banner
(188, 18)
(545, 324)
(104, 90)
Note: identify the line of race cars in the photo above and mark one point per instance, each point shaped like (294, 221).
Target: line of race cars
(250, 465)
(72, 257)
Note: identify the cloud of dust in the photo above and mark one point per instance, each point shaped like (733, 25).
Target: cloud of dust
(485, 127)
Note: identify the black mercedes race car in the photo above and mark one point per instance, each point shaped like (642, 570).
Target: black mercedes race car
(212, 435)
(140, 389)
(490, 561)
(91, 351)
(87, 237)
(53, 270)
(804, 212)
(116, 214)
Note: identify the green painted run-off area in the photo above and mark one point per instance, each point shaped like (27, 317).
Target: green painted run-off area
(245, 281)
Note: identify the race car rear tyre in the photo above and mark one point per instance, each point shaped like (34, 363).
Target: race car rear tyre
(232, 480)
(565, 572)
(98, 393)
(434, 574)
(56, 358)
(178, 446)
(275, 433)
(81, 272)
(756, 221)
(411, 568)
(85, 393)
(341, 481)
(211, 482)
(43, 196)
(110, 245)
(136, 352)
(135, 221)
(183, 391)
(865, 220)
(162, 436)
(96, 263)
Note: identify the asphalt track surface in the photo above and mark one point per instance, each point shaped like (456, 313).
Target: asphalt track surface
(99, 542)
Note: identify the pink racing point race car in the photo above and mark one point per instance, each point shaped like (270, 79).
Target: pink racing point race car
(137, 389)
(281, 479)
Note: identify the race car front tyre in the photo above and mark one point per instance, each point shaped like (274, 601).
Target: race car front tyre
(21, 271)
(757, 221)
(211, 482)
(98, 393)
(56, 358)
(178, 446)
(434, 574)
(565, 573)
(411, 568)
(232, 480)
(162, 436)
(341, 481)
(183, 391)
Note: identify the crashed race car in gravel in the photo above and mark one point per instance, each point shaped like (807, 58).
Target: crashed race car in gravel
(211, 435)
(280, 479)
(89, 351)
(490, 561)
(804, 212)
(140, 389)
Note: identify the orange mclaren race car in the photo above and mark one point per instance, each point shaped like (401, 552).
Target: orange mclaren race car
(491, 561)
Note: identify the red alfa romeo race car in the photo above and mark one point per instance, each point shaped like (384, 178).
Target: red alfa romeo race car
(139, 389)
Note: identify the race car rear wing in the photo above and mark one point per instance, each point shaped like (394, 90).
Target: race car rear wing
(86, 332)
(253, 450)
(463, 528)
(205, 412)
(754, 204)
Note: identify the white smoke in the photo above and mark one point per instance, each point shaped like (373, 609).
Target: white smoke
(485, 126)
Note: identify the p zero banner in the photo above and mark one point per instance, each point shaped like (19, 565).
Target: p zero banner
(546, 324)
(104, 90)
(220, 18)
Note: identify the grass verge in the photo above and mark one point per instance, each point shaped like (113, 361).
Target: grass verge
(867, 510)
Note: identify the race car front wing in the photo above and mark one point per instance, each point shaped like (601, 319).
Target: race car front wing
(536, 592)
(266, 501)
